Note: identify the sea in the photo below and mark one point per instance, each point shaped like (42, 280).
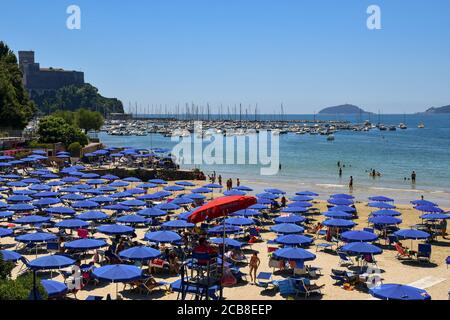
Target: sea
(309, 162)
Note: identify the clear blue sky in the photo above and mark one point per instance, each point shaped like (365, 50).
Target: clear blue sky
(306, 54)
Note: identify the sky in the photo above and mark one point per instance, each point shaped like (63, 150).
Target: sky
(305, 54)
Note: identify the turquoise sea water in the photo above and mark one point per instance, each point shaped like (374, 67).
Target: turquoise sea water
(310, 161)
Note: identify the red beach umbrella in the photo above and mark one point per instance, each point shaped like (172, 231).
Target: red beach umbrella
(221, 207)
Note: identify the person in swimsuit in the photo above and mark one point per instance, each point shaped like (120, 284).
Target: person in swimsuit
(254, 265)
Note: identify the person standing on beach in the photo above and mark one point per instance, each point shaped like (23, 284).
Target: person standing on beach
(413, 177)
(238, 182)
(350, 184)
(254, 265)
(340, 172)
(220, 179)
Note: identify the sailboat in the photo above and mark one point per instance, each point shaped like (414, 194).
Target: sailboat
(421, 125)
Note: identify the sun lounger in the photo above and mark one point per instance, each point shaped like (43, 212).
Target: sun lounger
(264, 279)
(344, 259)
(94, 298)
(305, 286)
(401, 252)
(424, 252)
(287, 288)
(324, 246)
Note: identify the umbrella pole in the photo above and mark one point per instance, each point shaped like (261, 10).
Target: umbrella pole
(34, 285)
(223, 259)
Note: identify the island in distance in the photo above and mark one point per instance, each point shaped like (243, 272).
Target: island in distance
(344, 109)
(444, 109)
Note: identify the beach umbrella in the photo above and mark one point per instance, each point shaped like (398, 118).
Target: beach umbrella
(17, 184)
(121, 195)
(385, 220)
(338, 215)
(213, 186)
(412, 234)
(290, 219)
(60, 210)
(173, 188)
(36, 237)
(307, 193)
(185, 183)
(343, 208)
(151, 212)
(267, 195)
(132, 179)
(287, 228)
(221, 207)
(11, 176)
(31, 180)
(136, 191)
(358, 236)
(21, 207)
(22, 192)
(339, 223)
(40, 152)
(386, 212)
(361, 248)
(435, 216)
(157, 181)
(45, 194)
(294, 209)
(33, 219)
(115, 229)
(133, 203)
(119, 184)
(117, 207)
(423, 203)
(71, 224)
(19, 198)
(96, 181)
(239, 221)
(303, 204)
(234, 193)
(294, 254)
(106, 189)
(46, 202)
(5, 232)
(85, 204)
(118, 273)
(162, 236)
(390, 291)
(54, 288)
(381, 205)
(182, 201)
(243, 188)
(90, 176)
(92, 215)
(294, 240)
(49, 176)
(246, 213)
(340, 201)
(184, 215)
(85, 244)
(195, 196)
(381, 199)
(342, 196)
(132, 219)
(274, 191)
(50, 262)
(224, 229)
(110, 177)
(201, 190)
(167, 206)
(301, 198)
(147, 185)
(429, 209)
(177, 224)
(157, 195)
(9, 255)
(6, 214)
(70, 179)
(140, 253)
(227, 241)
(55, 183)
(102, 199)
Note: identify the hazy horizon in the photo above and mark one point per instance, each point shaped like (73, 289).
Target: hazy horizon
(308, 55)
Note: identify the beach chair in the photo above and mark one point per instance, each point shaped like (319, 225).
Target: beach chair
(287, 288)
(305, 286)
(344, 259)
(53, 246)
(146, 286)
(94, 298)
(254, 233)
(372, 230)
(264, 279)
(424, 252)
(401, 253)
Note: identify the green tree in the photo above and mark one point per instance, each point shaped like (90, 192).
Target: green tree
(89, 120)
(16, 109)
(53, 129)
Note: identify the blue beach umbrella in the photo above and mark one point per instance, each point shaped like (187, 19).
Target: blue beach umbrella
(342, 196)
(167, 206)
(90, 176)
(132, 219)
(9, 255)
(92, 215)
(50, 262)
(115, 229)
(340, 201)
(177, 224)
(358, 236)
(70, 179)
(185, 215)
(60, 210)
(294, 209)
(85, 204)
(195, 196)
(185, 183)
(23, 192)
(429, 209)
(140, 253)
(339, 223)
(228, 242)
(132, 179)
(227, 229)
(19, 198)
(71, 224)
(338, 215)
(246, 213)
(96, 181)
(274, 191)
(294, 254)
(263, 201)
(386, 212)
(121, 195)
(239, 221)
(290, 219)
(301, 198)
(287, 228)
(411, 234)
(147, 185)
(182, 201)
(381, 205)
(267, 195)
(85, 244)
(385, 220)
(36, 237)
(102, 199)
(243, 188)
(133, 203)
(157, 181)
(381, 199)
(33, 219)
(54, 288)
(307, 193)
(117, 207)
(110, 177)
(343, 208)
(21, 207)
(213, 186)
(201, 190)
(423, 203)
(118, 273)
(162, 236)
(119, 184)
(435, 216)
(294, 240)
(173, 188)
(5, 232)
(391, 291)
(361, 248)
(44, 202)
(136, 191)
(45, 194)
(234, 193)
(152, 212)
(6, 214)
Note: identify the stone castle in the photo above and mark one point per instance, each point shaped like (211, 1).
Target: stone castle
(40, 79)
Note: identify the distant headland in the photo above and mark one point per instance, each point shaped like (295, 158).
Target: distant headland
(444, 109)
(344, 109)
